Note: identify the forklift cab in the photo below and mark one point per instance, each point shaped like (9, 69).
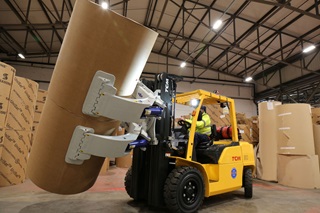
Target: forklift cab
(223, 164)
(221, 136)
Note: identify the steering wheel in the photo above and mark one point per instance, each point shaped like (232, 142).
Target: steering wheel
(184, 123)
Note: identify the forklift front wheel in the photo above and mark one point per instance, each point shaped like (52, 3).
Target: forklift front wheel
(247, 182)
(128, 182)
(184, 190)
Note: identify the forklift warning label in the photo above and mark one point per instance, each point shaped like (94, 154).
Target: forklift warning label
(234, 173)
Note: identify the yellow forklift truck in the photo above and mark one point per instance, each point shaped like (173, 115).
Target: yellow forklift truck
(165, 174)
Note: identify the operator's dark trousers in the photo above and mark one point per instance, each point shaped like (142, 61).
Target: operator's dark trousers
(198, 138)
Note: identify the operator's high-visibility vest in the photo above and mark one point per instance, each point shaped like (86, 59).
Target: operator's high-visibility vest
(203, 126)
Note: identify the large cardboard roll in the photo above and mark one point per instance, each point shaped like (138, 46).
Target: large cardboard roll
(295, 130)
(268, 149)
(96, 39)
(300, 171)
(316, 135)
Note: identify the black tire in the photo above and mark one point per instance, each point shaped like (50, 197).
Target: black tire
(128, 182)
(247, 182)
(184, 190)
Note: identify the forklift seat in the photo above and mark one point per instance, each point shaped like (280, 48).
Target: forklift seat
(212, 153)
(208, 152)
(212, 137)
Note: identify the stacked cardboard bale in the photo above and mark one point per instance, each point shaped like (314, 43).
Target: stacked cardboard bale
(248, 128)
(219, 116)
(17, 130)
(254, 123)
(244, 127)
(41, 99)
(245, 132)
(6, 78)
(1, 139)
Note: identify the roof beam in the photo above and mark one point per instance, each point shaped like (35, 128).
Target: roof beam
(290, 43)
(288, 6)
(240, 9)
(41, 44)
(289, 60)
(197, 26)
(45, 11)
(248, 32)
(26, 26)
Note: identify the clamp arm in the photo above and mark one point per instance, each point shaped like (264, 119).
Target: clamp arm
(101, 100)
(85, 143)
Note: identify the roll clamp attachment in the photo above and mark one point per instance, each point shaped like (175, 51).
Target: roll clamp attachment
(138, 112)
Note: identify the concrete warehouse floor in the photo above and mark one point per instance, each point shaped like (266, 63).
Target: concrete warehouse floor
(108, 195)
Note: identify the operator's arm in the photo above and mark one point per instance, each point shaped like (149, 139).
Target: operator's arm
(189, 121)
(203, 123)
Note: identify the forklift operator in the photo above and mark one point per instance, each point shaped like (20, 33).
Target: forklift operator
(203, 128)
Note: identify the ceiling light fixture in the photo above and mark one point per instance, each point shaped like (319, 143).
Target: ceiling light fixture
(249, 78)
(104, 5)
(21, 56)
(308, 49)
(217, 24)
(183, 64)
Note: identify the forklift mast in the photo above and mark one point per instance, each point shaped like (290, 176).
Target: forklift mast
(150, 167)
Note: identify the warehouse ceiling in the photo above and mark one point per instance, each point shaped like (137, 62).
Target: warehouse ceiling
(256, 37)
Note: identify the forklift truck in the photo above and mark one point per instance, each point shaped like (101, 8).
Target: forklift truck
(164, 174)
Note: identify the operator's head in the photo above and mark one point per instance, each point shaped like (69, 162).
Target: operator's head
(203, 109)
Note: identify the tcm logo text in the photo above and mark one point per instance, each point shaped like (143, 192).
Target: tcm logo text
(236, 158)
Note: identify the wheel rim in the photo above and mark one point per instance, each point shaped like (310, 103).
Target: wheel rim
(190, 192)
(184, 190)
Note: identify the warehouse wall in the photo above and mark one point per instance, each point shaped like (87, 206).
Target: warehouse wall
(289, 73)
(157, 64)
